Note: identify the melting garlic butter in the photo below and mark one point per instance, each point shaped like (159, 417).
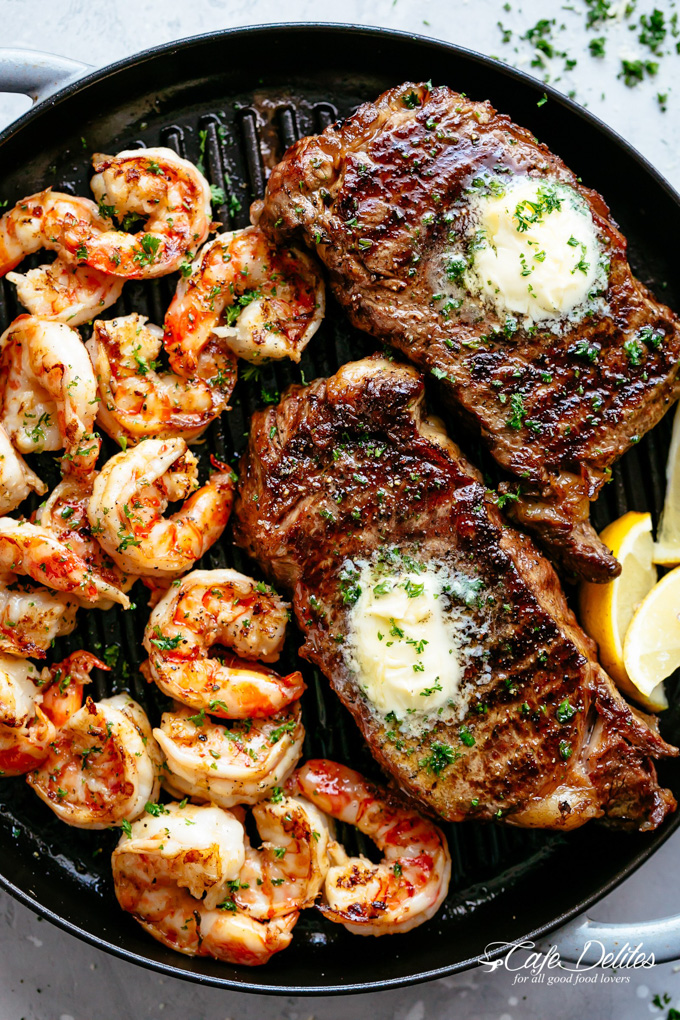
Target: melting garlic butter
(406, 642)
(537, 252)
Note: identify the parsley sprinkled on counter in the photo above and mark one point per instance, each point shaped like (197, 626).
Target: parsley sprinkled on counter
(645, 39)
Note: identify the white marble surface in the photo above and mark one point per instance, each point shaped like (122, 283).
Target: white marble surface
(46, 974)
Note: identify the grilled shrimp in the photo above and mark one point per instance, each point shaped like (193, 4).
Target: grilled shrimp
(286, 874)
(31, 618)
(273, 297)
(182, 874)
(64, 515)
(132, 491)
(16, 477)
(103, 767)
(136, 401)
(171, 875)
(409, 885)
(67, 293)
(34, 706)
(39, 221)
(224, 607)
(238, 763)
(197, 848)
(49, 392)
(168, 192)
(28, 549)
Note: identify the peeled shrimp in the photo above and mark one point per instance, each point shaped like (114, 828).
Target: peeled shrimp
(171, 875)
(287, 873)
(64, 515)
(34, 706)
(31, 618)
(224, 607)
(49, 392)
(273, 299)
(40, 220)
(103, 767)
(28, 549)
(16, 478)
(195, 847)
(168, 192)
(183, 875)
(238, 763)
(136, 401)
(67, 293)
(132, 491)
(411, 882)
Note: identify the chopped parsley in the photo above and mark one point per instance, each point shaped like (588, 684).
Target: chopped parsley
(565, 711)
(518, 414)
(587, 351)
(440, 757)
(149, 245)
(566, 750)
(239, 303)
(633, 71)
(467, 737)
(349, 587)
(217, 195)
(156, 809)
(634, 350)
(163, 643)
(530, 211)
(653, 30)
(286, 727)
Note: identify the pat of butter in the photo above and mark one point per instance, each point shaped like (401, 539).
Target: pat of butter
(405, 643)
(537, 252)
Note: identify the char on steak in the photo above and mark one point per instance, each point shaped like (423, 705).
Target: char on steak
(348, 471)
(386, 200)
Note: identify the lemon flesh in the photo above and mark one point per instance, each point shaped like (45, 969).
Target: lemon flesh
(651, 648)
(607, 610)
(667, 546)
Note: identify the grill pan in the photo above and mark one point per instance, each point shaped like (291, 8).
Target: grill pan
(237, 99)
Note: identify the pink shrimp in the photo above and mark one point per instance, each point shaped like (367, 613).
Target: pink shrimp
(409, 885)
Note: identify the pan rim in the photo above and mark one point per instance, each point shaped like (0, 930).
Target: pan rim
(382, 985)
(127, 63)
(152, 52)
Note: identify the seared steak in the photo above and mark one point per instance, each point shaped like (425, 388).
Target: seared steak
(395, 201)
(349, 493)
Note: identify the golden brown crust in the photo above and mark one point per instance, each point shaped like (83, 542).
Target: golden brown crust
(377, 197)
(349, 466)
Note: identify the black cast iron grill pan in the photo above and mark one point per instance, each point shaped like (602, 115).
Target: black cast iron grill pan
(236, 100)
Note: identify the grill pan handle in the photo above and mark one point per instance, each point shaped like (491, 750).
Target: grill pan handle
(36, 74)
(587, 942)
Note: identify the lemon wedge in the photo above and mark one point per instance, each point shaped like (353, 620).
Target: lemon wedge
(667, 545)
(607, 610)
(651, 650)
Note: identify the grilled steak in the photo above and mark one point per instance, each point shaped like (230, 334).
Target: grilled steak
(357, 503)
(420, 205)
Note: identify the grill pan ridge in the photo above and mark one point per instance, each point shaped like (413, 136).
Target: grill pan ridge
(239, 127)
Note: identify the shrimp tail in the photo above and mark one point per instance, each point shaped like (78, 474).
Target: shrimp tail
(222, 466)
(79, 665)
